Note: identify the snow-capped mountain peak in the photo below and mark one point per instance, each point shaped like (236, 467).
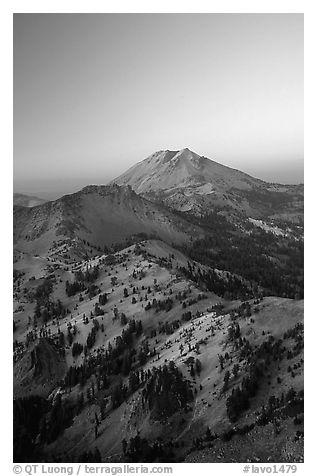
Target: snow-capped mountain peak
(186, 181)
(166, 170)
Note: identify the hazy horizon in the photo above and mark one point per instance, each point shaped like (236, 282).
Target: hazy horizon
(96, 93)
(45, 187)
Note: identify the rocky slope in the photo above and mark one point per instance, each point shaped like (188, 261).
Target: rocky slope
(101, 215)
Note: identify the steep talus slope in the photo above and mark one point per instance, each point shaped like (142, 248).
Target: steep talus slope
(39, 370)
(100, 214)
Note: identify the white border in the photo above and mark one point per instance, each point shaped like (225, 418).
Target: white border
(6, 189)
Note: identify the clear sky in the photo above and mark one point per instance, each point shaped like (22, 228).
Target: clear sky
(96, 93)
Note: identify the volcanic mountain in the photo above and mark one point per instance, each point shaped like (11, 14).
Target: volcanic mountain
(99, 214)
(187, 181)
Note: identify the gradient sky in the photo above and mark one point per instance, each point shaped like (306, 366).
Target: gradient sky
(96, 93)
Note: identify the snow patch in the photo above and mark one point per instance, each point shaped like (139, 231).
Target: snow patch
(268, 228)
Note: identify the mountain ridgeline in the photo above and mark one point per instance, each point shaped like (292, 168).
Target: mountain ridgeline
(101, 214)
(217, 215)
(252, 227)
